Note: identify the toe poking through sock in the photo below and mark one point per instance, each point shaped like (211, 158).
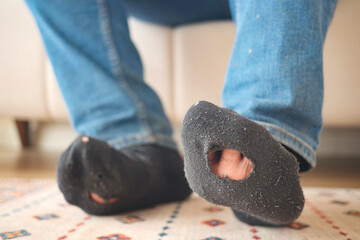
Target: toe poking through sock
(99, 200)
(96, 198)
(230, 163)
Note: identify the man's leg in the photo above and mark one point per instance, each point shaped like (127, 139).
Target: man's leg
(126, 157)
(275, 75)
(275, 79)
(100, 73)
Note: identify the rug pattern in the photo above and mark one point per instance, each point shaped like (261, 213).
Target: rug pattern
(35, 209)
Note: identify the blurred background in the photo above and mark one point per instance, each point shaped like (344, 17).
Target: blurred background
(183, 64)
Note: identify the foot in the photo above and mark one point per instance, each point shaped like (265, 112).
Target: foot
(234, 162)
(102, 180)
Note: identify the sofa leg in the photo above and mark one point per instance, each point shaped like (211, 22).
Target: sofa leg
(24, 132)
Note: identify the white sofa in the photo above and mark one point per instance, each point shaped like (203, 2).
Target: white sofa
(183, 64)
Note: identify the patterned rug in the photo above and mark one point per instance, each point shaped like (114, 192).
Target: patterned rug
(35, 209)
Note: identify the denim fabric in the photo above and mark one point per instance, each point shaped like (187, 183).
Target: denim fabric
(178, 12)
(99, 70)
(274, 76)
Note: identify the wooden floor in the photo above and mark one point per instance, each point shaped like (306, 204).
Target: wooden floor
(31, 163)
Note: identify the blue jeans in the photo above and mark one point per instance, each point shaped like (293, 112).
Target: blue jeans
(274, 78)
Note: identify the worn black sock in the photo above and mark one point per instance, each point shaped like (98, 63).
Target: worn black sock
(91, 171)
(270, 195)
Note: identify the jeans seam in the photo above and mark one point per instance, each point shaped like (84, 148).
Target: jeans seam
(288, 135)
(114, 59)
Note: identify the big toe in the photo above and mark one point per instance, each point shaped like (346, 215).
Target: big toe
(230, 163)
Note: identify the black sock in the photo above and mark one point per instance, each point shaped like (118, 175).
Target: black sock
(270, 195)
(132, 178)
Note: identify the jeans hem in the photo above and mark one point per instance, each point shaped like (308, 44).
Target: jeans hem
(291, 141)
(139, 139)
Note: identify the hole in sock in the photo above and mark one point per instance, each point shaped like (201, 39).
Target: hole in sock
(230, 163)
(96, 198)
(99, 200)
(215, 157)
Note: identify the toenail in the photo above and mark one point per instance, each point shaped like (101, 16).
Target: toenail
(96, 198)
(85, 139)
